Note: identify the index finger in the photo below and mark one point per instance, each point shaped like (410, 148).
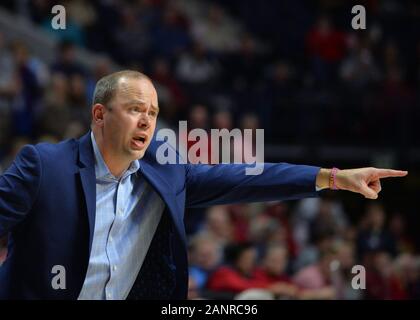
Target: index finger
(388, 173)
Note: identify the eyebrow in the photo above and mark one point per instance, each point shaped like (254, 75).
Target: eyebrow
(139, 101)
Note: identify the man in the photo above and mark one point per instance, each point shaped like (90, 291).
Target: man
(100, 218)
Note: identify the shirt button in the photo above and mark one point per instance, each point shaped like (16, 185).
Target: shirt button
(114, 268)
(110, 239)
(109, 296)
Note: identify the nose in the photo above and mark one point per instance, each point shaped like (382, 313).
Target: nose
(144, 121)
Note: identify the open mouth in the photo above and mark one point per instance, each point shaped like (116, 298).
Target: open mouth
(139, 142)
(141, 139)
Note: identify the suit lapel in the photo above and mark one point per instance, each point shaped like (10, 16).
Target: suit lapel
(165, 192)
(87, 176)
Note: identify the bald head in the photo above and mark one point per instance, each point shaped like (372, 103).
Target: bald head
(107, 86)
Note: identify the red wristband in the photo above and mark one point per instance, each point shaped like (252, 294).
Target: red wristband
(333, 175)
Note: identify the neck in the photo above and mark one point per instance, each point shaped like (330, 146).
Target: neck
(117, 165)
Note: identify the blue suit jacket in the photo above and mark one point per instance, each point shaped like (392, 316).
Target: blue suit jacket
(47, 206)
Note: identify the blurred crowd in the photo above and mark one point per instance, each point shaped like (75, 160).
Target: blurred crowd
(296, 69)
(308, 250)
(297, 66)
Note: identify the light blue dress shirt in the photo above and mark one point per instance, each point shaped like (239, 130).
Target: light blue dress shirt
(128, 211)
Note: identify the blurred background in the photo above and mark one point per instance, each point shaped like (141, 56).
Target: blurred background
(325, 95)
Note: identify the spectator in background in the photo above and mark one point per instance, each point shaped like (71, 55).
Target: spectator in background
(276, 228)
(312, 252)
(392, 104)
(407, 270)
(346, 258)
(27, 101)
(273, 270)
(391, 57)
(222, 119)
(237, 275)
(398, 229)
(66, 60)
(307, 212)
(9, 89)
(324, 222)
(39, 10)
(74, 130)
(243, 76)
(319, 277)
(197, 72)
(170, 36)
(215, 32)
(244, 217)
(102, 67)
(204, 257)
(280, 90)
(131, 38)
(9, 86)
(381, 280)
(8, 76)
(56, 114)
(199, 117)
(359, 70)
(82, 13)
(162, 77)
(78, 100)
(218, 225)
(261, 229)
(193, 290)
(374, 236)
(326, 48)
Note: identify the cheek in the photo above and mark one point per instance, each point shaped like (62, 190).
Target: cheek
(153, 125)
(128, 122)
(121, 132)
(152, 128)
(117, 123)
(127, 126)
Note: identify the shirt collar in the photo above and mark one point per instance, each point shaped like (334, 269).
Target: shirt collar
(101, 169)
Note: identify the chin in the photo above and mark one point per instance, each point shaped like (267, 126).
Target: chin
(133, 155)
(139, 154)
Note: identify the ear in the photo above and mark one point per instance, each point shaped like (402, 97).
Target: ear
(98, 111)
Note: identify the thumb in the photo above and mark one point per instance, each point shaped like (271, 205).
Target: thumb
(368, 192)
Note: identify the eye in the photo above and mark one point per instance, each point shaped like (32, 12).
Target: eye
(153, 113)
(134, 110)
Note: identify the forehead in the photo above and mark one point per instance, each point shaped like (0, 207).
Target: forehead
(129, 88)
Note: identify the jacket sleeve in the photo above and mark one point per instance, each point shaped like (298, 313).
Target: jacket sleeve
(228, 183)
(19, 186)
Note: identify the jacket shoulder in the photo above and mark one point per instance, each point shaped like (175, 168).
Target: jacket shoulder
(57, 151)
